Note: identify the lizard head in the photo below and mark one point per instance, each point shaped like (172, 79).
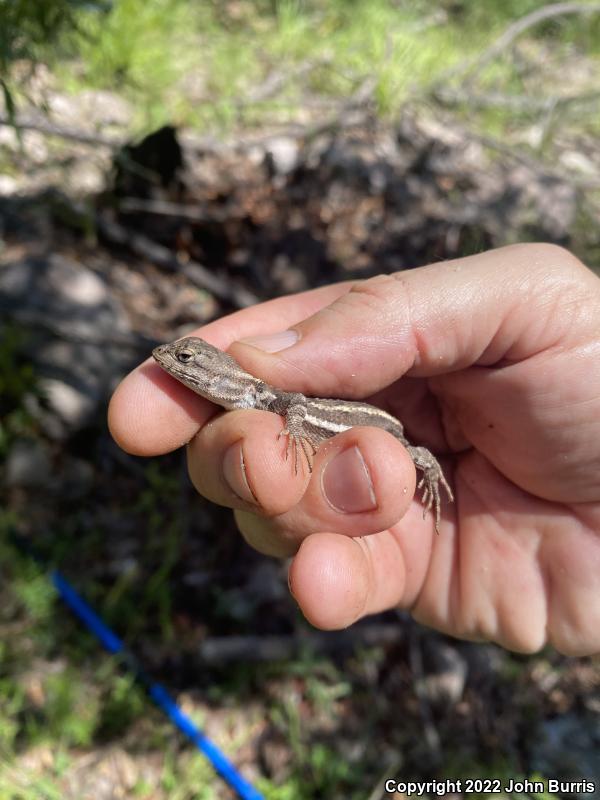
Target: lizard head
(193, 361)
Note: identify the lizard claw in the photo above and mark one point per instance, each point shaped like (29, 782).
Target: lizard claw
(298, 441)
(285, 432)
(430, 496)
(431, 476)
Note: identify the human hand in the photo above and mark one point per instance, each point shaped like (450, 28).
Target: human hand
(499, 356)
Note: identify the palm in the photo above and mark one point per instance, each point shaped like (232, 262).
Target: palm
(524, 542)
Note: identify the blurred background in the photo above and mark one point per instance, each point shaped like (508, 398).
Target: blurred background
(163, 163)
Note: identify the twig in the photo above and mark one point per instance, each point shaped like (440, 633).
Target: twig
(47, 128)
(518, 102)
(165, 208)
(223, 649)
(350, 113)
(355, 110)
(532, 163)
(529, 21)
(50, 129)
(278, 79)
(391, 769)
(513, 31)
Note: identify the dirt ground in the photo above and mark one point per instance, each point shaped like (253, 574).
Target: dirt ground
(99, 266)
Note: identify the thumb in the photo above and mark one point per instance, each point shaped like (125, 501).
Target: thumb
(423, 322)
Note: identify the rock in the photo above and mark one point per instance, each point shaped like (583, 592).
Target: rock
(8, 185)
(28, 465)
(74, 479)
(77, 337)
(569, 747)
(90, 109)
(282, 154)
(445, 672)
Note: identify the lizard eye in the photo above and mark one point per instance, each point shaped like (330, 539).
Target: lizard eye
(185, 356)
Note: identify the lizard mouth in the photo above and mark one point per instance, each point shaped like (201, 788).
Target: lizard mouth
(161, 354)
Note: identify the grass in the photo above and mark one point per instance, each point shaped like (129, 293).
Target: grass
(58, 690)
(201, 64)
(61, 697)
(16, 381)
(208, 65)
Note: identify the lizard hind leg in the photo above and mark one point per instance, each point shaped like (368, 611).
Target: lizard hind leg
(430, 482)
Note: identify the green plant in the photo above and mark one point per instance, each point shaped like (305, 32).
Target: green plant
(28, 31)
(71, 710)
(17, 381)
(122, 701)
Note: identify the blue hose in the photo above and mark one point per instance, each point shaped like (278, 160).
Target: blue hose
(157, 692)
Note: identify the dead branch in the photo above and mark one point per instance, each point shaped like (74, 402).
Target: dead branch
(536, 166)
(517, 102)
(351, 112)
(223, 649)
(198, 274)
(48, 128)
(512, 32)
(278, 79)
(166, 208)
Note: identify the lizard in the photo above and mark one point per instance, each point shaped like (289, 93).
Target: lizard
(217, 376)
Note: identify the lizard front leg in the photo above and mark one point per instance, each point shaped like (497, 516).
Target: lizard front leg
(297, 434)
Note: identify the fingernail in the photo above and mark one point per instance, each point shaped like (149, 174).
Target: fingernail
(272, 342)
(346, 483)
(234, 473)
